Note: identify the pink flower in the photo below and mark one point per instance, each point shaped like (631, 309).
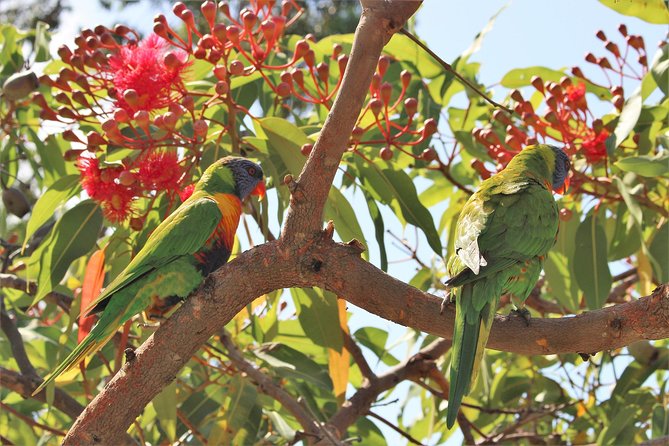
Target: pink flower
(103, 186)
(576, 94)
(147, 76)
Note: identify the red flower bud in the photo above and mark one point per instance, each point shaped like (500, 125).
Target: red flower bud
(537, 83)
(120, 115)
(618, 102)
(219, 31)
(221, 72)
(600, 35)
(309, 58)
(623, 30)
(382, 66)
(410, 106)
(283, 90)
(306, 149)
(236, 68)
(268, 28)
(286, 77)
(221, 88)
(590, 58)
(232, 34)
(298, 77)
(342, 61)
(178, 8)
(336, 50)
(429, 127)
(429, 155)
(94, 139)
(356, 134)
(188, 102)
(208, 10)
(405, 77)
(386, 154)
(224, 7)
(249, 19)
(323, 71)
(385, 93)
(301, 47)
(121, 30)
(375, 105)
(200, 128)
(613, 48)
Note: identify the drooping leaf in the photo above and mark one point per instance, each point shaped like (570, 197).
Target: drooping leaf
(645, 165)
(41, 43)
(240, 399)
(591, 267)
(651, 11)
(560, 280)
(318, 314)
(60, 191)
(628, 118)
(659, 250)
(660, 69)
(287, 362)
(379, 229)
(375, 339)
(165, 405)
(72, 236)
(285, 139)
(339, 210)
(632, 205)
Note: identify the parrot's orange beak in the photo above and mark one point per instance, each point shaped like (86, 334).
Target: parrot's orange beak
(259, 190)
(563, 190)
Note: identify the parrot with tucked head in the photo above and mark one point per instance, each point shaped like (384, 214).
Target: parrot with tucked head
(502, 236)
(193, 241)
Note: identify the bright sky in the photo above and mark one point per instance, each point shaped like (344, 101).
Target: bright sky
(526, 33)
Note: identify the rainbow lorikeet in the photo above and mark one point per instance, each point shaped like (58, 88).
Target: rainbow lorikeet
(194, 240)
(502, 237)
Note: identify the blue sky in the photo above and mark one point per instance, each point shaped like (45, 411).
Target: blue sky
(527, 33)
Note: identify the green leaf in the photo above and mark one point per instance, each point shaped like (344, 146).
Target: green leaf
(73, 236)
(42, 39)
(375, 339)
(285, 139)
(9, 160)
(625, 416)
(339, 210)
(59, 192)
(318, 314)
(287, 362)
(521, 77)
(632, 205)
(651, 11)
(660, 420)
(51, 152)
(625, 241)
(405, 49)
(560, 281)
(658, 250)
(165, 405)
(395, 187)
(645, 165)
(379, 229)
(591, 267)
(240, 399)
(478, 40)
(626, 121)
(660, 69)
(280, 426)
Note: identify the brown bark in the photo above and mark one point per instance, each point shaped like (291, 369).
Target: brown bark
(304, 256)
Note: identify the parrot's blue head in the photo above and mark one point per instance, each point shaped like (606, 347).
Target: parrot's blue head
(561, 171)
(248, 177)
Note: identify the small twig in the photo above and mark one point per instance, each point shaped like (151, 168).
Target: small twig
(406, 435)
(30, 421)
(466, 428)
(358, 357)
(450, 69)
(193, 430)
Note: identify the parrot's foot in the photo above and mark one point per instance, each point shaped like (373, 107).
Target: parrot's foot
(446, 301)
(524, 313)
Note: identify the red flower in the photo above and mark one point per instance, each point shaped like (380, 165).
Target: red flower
(103, 186)
(160, 171)
(147, 76)
(576, 94)
(594, 146)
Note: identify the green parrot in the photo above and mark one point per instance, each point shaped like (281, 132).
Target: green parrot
(502, 236)
(193, 241)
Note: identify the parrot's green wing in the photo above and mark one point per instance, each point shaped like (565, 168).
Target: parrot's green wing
(183, 233)
(504, 231)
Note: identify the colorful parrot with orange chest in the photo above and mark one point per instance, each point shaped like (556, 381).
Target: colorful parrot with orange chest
(193, 241)
(502, 236)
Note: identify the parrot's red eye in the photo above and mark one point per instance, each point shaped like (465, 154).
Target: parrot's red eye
(251, 171)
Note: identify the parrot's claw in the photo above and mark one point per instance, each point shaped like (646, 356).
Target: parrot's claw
(446, 301)
(524, 313)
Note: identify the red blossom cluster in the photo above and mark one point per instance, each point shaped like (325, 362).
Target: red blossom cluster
(566, 117)
(135, 94)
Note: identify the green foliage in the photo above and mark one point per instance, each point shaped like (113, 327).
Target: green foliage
(614, 220)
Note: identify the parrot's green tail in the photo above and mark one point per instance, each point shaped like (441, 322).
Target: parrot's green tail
(95, 340)
(470, 336)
